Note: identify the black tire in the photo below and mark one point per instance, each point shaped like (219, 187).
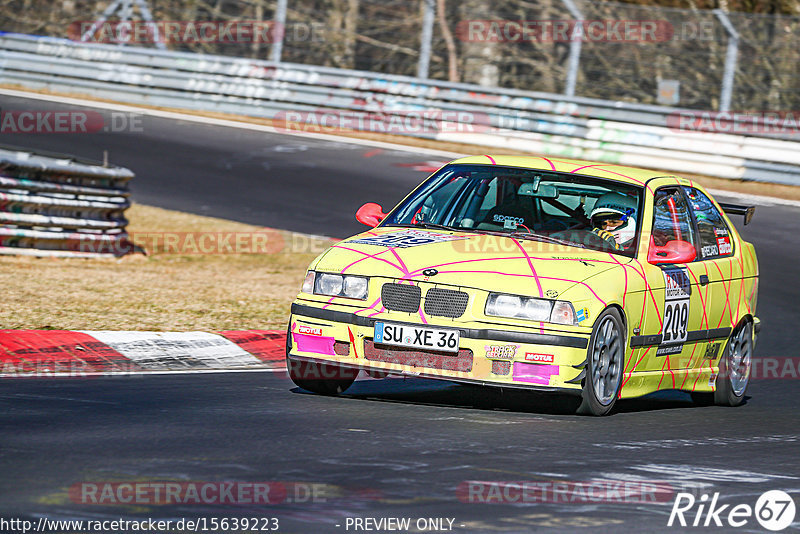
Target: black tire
(605, 363)
(320, 378)
(734, 367)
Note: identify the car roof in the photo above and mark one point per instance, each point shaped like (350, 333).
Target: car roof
(611, 171)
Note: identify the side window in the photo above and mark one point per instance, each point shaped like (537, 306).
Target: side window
(715, 238)
(672, 220)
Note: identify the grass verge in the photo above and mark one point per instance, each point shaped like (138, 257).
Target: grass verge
(177, 286)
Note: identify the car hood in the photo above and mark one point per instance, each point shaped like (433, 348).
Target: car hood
(488, 262)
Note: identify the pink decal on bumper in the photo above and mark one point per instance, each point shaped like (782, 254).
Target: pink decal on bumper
(317, 344)
(534, 373)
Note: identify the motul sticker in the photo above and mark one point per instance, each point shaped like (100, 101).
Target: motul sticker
(407, 238)
(539, 357)
(309, 330)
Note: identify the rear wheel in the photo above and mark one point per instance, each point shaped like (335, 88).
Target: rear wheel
(734, 371)
(734, 367)
(604, 365)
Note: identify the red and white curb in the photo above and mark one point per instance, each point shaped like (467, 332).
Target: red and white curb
(85, 353)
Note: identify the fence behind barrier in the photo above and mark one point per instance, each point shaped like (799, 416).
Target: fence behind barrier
(299, 96)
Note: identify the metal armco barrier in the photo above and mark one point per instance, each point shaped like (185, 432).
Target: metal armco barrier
(542, 123)
(54, 206)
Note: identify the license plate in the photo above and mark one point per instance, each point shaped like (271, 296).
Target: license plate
(421, 337)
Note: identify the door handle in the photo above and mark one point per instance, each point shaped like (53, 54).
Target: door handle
(703, 280)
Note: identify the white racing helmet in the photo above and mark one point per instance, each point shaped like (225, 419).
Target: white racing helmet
(617, 206)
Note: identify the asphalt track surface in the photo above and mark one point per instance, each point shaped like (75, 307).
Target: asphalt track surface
(391, 448)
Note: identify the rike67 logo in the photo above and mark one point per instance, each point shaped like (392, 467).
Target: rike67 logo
(774, 510)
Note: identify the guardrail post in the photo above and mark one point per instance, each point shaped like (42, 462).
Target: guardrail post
(576, 40)
(425, 39)
(731, 55)
(279, 32)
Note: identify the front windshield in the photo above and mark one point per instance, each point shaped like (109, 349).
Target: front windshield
(525, 203)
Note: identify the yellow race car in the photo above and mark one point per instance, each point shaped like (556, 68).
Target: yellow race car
(595, 279)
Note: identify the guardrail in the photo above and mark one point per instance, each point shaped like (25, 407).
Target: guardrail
(63, 207)
(543, 123)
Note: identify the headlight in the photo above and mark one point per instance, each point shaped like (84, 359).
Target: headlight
(355, 287)
(336, 285)
(308, 283)
(329, 284)
(532, 309)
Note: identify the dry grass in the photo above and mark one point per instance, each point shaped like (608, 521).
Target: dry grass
(738, 186)
(161, 291)
(169, 291)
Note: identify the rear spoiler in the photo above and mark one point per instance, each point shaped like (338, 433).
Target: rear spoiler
(738, 209)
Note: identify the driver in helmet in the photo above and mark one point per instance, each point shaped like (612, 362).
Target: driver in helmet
(614, 220)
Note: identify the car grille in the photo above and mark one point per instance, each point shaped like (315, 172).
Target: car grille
(445, 302)
(399, 297)
(430, 359)
(341, 348)
(500, 367)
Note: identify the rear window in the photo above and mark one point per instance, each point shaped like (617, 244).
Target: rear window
(715, 238)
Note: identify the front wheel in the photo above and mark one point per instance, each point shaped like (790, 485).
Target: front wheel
(604, 365)
(320, 378)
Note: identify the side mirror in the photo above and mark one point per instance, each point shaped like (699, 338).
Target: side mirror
(672, 252)
(370, 214)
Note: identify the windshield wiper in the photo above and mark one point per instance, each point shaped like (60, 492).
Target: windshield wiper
(529, 236)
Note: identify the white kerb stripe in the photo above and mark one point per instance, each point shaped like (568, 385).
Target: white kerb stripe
(177, 350)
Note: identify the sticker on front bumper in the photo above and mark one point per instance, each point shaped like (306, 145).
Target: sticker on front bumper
(310, 330)
(501, 352)
(539, 357)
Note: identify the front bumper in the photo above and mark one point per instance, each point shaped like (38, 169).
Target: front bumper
(533, 358)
